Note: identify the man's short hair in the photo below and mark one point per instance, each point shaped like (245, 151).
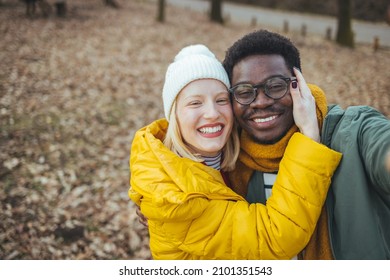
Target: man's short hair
(262, 42)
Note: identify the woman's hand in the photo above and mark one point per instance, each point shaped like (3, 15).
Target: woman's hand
(304, 107)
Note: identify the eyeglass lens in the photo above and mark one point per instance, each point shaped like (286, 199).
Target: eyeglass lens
(274, 88)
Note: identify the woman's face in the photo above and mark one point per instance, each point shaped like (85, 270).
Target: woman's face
(204, 115)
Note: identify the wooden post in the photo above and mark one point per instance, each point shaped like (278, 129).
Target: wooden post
(254, 22)
(161, 11)
(328, 35)
(376, 43)
(227, 18)
(285, 26)
(304, 30)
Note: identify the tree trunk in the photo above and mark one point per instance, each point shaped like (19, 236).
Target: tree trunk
(216, 11)
(161, 11)
(61, 8)
(345, 36)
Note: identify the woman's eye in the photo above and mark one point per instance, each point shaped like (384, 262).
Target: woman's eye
(223, 101)
(194, 103)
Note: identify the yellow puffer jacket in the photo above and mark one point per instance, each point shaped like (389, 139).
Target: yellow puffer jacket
(192, 214)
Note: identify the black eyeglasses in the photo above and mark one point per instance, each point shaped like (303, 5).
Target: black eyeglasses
(274, 88)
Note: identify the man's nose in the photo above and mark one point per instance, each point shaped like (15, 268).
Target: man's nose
(261, 100)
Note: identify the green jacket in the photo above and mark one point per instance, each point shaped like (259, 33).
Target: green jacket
(358, 201)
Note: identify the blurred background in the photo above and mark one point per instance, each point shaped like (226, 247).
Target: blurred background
(79, 77)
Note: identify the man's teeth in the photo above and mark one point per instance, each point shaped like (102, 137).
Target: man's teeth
(265, 119)
(210, 129)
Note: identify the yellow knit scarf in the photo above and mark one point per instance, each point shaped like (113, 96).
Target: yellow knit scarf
(266, 158)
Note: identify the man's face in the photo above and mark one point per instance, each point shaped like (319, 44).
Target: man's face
(265, 120)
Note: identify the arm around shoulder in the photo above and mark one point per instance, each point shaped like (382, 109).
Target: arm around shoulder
(281, 228)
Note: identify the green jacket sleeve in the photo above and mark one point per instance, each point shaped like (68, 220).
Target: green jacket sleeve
(374, 140)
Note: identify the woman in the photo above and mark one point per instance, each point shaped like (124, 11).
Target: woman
(178, 173)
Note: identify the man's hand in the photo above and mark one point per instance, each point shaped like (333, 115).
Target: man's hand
(142, 219)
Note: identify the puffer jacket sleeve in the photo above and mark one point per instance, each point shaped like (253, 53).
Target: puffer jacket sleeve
(165, 185)
(278, 230)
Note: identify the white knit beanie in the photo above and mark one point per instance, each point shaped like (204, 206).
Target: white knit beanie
(191, 63)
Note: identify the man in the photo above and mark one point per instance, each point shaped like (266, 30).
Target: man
(355, 223)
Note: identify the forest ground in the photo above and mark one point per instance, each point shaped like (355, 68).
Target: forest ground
(74, 90)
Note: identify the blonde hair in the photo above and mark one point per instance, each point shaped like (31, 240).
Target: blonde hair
(175, 142)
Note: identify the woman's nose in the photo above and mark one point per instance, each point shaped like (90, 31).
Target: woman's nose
(211, 111)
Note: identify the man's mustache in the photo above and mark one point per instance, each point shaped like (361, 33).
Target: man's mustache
(262, 112)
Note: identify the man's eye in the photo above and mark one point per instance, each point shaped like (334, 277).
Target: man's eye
(243, 92)
(276, 87)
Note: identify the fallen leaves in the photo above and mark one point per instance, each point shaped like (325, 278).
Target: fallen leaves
(74, 91)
